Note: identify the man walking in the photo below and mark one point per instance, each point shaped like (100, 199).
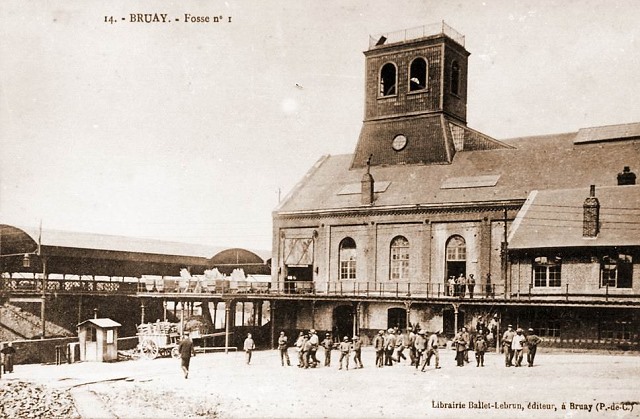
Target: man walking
(420, 344)
(185, 348)
(282, 347)
(432, 349)
(249, 346)
(532, 344)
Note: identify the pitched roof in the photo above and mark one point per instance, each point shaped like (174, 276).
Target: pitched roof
(554, 218)
(103, 323)
(534, 163)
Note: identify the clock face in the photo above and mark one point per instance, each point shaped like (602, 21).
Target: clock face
(399, 142)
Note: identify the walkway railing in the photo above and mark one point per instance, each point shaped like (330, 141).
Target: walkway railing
(389, 289)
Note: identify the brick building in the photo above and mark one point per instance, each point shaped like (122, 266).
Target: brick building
(370, 240)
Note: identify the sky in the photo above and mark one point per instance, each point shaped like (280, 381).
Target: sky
(192, 132)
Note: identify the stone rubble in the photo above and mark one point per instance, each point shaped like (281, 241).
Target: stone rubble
(21, 399)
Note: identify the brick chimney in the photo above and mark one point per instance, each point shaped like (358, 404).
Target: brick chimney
(626, 177)
(591, 215)
(367, 185)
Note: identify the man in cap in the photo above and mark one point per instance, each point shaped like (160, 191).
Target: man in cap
(378, 345)
(356, 348)
(389, 347)
(282, 347)
(327, 344)
(532, 345)
(517, 345)
(420, 344)
(344, 347)
(315, 344)
(507, 338)
(186, 350)
(299, 343)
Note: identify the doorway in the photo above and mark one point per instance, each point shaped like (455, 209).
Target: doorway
(343, 322)
(397, 317)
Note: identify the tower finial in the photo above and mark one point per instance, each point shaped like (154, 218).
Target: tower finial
(369, 163)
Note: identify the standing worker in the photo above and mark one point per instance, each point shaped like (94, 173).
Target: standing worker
(185, 348)
(282, 347)
(249, 346)
(356, 347)
(378, 345)
(507, 338)
(327, 344)
(9, 352)
(345, 347)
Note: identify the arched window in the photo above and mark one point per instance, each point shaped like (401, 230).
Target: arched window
(388, 80)
(399, 259)
(456, 249)
(455, 78)
(347, 258)
(418, 75)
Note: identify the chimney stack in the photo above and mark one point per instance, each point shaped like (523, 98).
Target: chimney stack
(591, 215)
(367, 185)
(626, 177)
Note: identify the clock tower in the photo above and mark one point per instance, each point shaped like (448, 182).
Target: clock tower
(416, 99)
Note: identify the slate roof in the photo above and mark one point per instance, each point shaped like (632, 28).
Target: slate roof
(535, 163)
(554, 218)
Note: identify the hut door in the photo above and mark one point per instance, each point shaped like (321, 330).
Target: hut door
(91, 345)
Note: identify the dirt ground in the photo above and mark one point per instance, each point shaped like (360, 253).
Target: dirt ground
(561, 385)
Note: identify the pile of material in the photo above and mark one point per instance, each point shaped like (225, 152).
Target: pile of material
(25, 400)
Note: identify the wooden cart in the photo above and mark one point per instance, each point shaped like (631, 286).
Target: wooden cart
(158, 339)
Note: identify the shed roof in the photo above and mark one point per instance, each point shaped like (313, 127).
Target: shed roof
(104, 323)
(554, 218)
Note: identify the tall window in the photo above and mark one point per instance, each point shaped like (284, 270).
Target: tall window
(418, 74)
(455, 78)
(347, 258)
(388, 80)
(399, 259)
(547, 271)
(617, 271)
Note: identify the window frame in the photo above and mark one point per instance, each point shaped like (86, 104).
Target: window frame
(399, 259)
(546, 271)
(347, 269)
(382, 78)
(425, 75)
(610, 270)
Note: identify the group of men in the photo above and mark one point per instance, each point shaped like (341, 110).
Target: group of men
(515, 344)
(461, 285)
(390, 347)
